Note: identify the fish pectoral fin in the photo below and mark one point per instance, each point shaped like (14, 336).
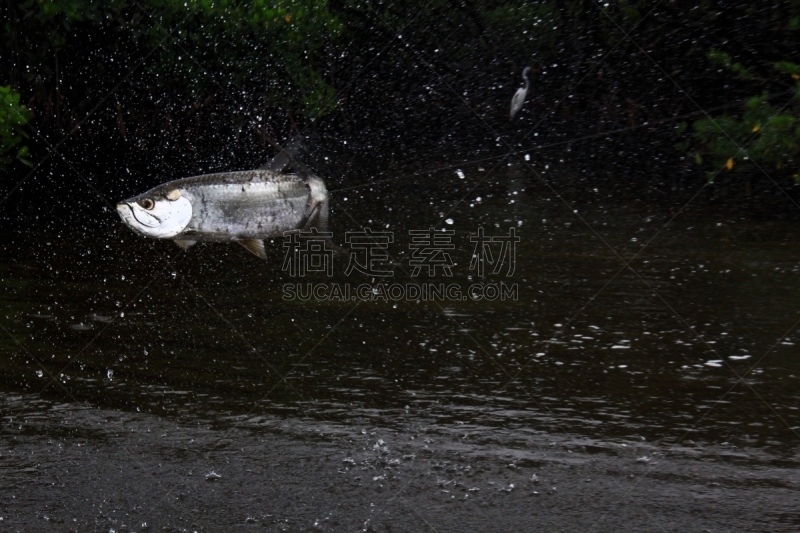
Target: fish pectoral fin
(184, 244)
(255, 246)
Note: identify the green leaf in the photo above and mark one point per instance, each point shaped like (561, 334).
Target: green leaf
(13, 117)
(719, 58)
(787, 67)
(757, 101)
(742, 71)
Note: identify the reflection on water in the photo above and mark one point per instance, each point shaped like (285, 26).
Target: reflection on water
(663, 352)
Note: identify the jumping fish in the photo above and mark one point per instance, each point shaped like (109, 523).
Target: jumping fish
(244, 207)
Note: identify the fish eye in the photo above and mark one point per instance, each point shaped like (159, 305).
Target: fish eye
(147, 203)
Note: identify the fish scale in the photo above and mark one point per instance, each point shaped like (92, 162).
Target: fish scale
(249, 205)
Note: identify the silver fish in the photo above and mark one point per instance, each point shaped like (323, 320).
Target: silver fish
(245, 207)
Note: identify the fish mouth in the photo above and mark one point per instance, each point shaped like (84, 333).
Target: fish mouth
(150, 221)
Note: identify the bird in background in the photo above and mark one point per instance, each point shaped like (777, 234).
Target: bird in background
(519, 96)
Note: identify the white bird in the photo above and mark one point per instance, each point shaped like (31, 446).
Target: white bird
(519, 96)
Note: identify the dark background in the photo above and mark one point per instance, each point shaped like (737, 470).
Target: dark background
(152, 90)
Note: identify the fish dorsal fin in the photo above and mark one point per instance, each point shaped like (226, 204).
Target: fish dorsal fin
(255, 246)
(288, 157)
(184, 244)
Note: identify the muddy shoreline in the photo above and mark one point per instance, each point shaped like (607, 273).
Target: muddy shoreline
(70, 468)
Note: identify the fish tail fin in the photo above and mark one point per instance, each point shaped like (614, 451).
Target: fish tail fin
(318, 216)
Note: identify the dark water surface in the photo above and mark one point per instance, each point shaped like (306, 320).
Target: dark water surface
(683, 365)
